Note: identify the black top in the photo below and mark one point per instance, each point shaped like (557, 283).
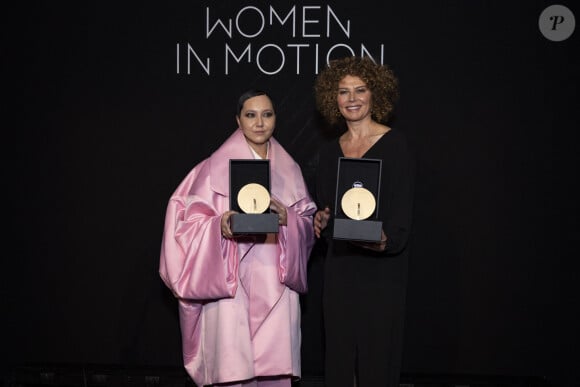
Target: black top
(396, 193)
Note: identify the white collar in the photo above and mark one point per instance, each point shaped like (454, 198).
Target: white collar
(256, 155)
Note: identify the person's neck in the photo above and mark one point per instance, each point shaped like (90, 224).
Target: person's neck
(260, 149)
(362, 129)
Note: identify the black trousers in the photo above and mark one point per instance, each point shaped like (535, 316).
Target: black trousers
(363, 303)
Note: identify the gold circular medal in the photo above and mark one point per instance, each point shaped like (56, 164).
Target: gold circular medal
(253, 198)
(358, 203)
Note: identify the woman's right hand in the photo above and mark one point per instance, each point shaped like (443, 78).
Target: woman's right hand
(225, 224)
(321, 221)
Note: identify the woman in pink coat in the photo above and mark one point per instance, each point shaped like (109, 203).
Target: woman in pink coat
(238, 295)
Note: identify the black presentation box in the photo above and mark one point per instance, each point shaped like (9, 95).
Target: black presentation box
(243, 172)
(350, 172)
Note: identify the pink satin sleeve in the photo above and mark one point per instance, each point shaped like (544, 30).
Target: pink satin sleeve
(295, 242)
(196, 262)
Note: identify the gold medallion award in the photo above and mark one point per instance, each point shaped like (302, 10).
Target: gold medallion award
(253, 198)
(358, 203)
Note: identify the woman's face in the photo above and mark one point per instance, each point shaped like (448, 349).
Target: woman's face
(354, 98)
(257, 120)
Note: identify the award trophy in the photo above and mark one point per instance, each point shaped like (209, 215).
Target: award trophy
(357, 200)
(250, 197)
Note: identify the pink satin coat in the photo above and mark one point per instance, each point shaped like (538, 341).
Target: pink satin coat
(238, 299)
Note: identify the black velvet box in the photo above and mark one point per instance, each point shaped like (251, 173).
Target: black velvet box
(243, 172)
(353, 172)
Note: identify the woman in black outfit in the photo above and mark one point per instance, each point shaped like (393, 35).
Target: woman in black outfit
(364, 283)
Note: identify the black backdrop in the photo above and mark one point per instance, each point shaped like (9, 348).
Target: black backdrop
(100, 125)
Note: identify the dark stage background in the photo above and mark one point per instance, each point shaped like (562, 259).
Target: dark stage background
(102, 121)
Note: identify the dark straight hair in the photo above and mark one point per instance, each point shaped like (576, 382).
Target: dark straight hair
(251, 94)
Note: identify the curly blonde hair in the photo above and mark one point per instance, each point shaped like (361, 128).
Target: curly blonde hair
(379, 79)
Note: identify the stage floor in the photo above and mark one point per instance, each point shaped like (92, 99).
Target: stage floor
(102, 376)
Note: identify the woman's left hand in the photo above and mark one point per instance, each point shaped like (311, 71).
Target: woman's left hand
(280, 209)
(374, 246)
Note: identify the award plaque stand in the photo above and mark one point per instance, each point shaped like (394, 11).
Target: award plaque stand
(357, 200)
(250, 197)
